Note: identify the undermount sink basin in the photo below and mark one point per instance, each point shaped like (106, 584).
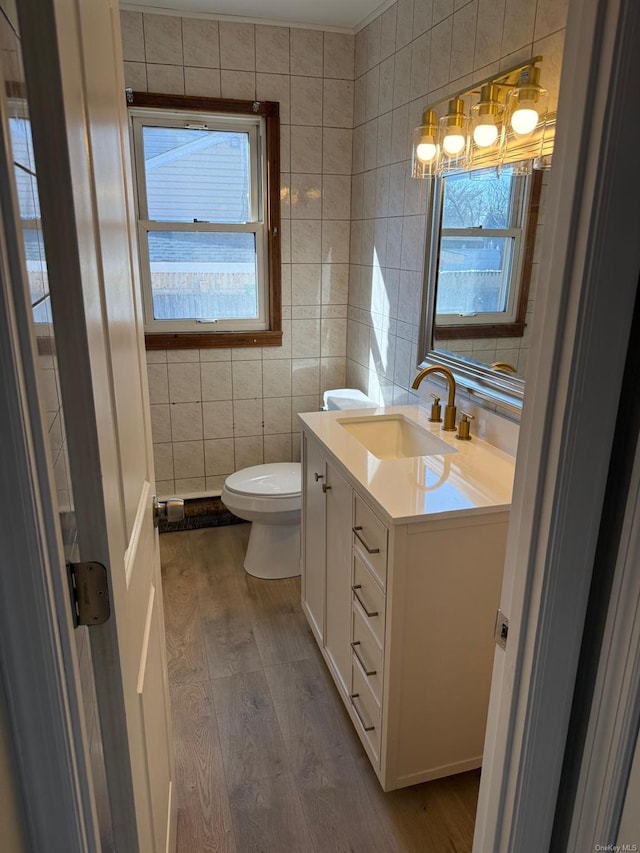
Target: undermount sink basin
(394, 437)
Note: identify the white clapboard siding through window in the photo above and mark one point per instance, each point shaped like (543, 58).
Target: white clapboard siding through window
(192, 174)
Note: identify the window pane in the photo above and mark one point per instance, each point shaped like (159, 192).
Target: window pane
(197, 174)
(21, 143)
(29, 209)
(477, 202)
(36, 262)
(203, 276)
(473, 275)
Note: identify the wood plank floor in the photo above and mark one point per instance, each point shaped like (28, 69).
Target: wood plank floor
(267, 760)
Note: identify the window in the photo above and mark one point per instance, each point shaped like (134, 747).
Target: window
(481, 247)
(29, 210)
(207, 181)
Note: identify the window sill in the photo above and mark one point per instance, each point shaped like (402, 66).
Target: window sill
(212, 340)
(485, 330)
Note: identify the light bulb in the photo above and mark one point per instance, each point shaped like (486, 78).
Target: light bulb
(453, 143)
(426, 151)
(524, 120)
(485, 135)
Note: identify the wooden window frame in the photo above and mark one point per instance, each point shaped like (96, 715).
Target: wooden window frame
(270, 111)
(515, 329)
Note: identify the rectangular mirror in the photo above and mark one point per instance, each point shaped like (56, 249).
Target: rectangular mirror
(480, 273)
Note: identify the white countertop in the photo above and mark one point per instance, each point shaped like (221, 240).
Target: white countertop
(476, 478)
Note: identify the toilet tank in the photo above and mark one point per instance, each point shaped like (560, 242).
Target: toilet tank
(347, 398)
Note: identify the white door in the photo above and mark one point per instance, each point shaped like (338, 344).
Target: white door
(74, 73)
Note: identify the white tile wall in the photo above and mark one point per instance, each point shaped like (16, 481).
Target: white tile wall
(353, 219)
(214, 411)
(417, 52)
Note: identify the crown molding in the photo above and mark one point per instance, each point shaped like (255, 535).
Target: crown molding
(386, 4)
(240, 19)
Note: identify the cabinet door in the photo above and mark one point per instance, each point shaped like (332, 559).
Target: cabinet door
(313, 536)
(338, 552)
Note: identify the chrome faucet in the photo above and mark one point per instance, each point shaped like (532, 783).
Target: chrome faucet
(450, 408)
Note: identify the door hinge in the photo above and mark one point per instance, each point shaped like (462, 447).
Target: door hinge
(129, 94)
(501, 630)
(89, 589)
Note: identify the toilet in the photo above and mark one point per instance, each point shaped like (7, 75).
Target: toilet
(270, 497)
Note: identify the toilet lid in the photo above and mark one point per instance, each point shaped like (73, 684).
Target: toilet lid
(277, 480)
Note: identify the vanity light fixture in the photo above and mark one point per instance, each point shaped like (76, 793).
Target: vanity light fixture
(527, 102)
(454, 135)
(453, 128)
(487, 127)
(487, 117)
(508, 123)
(425, 146)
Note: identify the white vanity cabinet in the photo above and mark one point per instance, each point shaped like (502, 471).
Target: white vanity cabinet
(326, 555)
(404, 616)
(313, 543)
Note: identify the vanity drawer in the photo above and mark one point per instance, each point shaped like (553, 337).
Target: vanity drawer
(366, 653)
(370, 535)
(367, 711)
(368, 598)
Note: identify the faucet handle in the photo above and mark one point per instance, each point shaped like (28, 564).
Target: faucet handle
(436, 410)
(463, 427)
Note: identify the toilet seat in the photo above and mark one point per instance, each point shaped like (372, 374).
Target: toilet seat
(271, 493)
(273, 481)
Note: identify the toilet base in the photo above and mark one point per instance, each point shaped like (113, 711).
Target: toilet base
(273, 551)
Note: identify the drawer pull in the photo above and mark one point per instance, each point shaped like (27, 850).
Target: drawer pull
(318, 476)
(367, 672)
(353, 696)
(357, 530)
(370, 613)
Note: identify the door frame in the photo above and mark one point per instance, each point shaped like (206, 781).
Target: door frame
(576, 380)
(611, 747)
(578, 354)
